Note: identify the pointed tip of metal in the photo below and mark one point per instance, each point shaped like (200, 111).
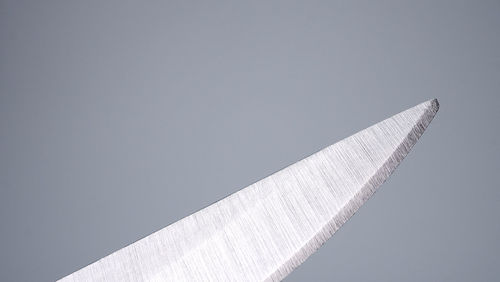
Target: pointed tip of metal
(432, 106)
(436, 103)
(357, 166)
(423, 114)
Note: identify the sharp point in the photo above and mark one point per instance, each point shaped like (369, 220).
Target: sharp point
(431, 106)
(434, 105)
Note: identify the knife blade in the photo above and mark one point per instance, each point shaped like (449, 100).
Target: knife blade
(264, 231)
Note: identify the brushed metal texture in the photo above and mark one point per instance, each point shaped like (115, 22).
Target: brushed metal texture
(264, 231)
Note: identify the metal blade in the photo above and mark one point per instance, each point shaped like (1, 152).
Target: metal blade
(266, 230)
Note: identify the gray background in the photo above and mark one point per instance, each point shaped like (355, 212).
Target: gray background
(118, 118)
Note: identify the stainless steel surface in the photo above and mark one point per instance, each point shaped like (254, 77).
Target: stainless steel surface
(267, 229)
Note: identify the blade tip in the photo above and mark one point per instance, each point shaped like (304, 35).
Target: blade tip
(433, 105)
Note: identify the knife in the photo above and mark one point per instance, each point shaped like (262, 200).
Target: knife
(266, 230)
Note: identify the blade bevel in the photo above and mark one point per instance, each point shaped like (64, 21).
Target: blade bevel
(267, 229)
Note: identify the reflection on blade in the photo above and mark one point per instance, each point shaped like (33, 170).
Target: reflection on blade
(266, 230)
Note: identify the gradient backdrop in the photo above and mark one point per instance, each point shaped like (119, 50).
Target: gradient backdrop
(118, 118)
